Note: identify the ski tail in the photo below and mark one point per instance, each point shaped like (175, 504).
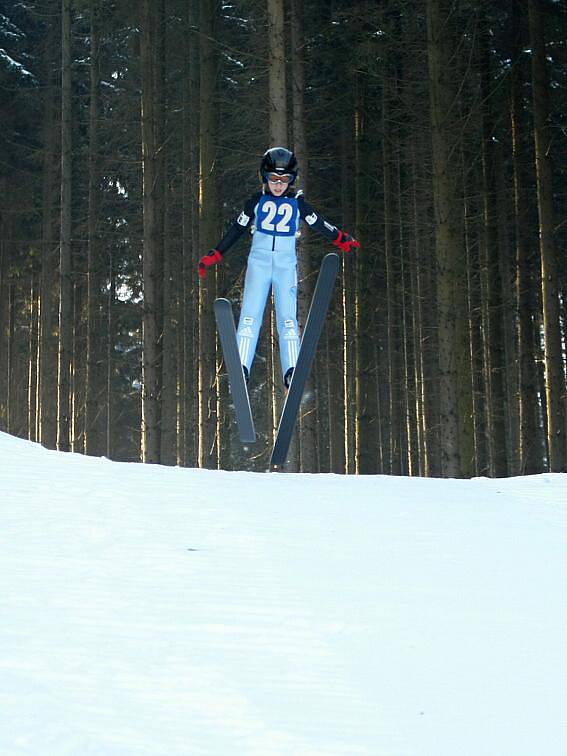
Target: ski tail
(238, 389)
(311, 335)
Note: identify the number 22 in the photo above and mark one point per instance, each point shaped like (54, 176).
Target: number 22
(282, 226)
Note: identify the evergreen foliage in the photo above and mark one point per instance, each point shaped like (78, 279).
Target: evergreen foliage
(444, 153)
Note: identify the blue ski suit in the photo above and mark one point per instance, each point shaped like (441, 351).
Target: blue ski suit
(272, 264)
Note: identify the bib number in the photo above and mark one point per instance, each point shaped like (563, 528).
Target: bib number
(278, 218)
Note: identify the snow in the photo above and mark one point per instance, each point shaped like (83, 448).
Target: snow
(13, 64)
(149, 610)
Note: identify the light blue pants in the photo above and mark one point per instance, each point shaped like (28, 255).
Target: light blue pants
(267, 270)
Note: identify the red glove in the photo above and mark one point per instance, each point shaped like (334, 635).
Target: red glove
(345, 242)
(211, 258)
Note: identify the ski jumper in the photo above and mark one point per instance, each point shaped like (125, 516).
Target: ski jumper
(272, 264)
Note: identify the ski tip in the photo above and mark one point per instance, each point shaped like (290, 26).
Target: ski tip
(222, 302)
(332, 257)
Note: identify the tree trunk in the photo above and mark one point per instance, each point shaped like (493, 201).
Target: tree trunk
(418, 340)
(33, 414)
(4, 318)
(348, 298)
(96, 400)
(412, 328)
(403, 306)
(554, 368)
(464, 367)
(492, 284)
(78, 361)
(366, 451)
(529, 448)
(48, 304)
(189, 383)
(110, 341)
(510, 371)
(168, 403)
(442, 93)
(169, 400)
(65, 282)
(152, 270)
(208, 216)
(392, 253)
(474, 300)
(308, 415)
(277, 106)
(11, 426)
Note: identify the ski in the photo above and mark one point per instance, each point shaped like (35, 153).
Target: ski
(238, 388)
(309, 341)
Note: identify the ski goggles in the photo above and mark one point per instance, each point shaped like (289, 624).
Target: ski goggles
(279, 178)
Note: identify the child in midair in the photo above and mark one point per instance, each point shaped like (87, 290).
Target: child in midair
(273, 216)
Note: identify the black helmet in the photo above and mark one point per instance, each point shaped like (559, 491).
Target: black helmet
(278, 160)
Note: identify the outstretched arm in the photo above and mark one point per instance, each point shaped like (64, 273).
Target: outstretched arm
(234, 232)
(345, 242)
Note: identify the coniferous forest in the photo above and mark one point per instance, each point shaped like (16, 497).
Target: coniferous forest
(433, 131)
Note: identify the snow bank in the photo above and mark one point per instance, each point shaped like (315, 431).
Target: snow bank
(150, 610)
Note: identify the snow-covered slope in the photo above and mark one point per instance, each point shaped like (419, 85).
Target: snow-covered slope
(148, 611)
